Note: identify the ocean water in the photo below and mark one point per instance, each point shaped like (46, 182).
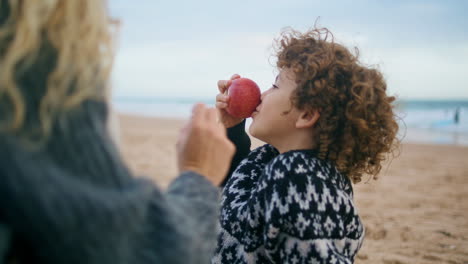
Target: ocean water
(430, 121)
(434, 121)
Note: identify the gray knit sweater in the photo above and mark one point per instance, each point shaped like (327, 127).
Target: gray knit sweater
(74, 201)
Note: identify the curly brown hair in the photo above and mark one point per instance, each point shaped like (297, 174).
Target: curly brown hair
(357, 126)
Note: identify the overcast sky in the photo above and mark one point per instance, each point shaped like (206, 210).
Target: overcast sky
(181, 48)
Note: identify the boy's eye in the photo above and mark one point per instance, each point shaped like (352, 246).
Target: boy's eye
(274, 86)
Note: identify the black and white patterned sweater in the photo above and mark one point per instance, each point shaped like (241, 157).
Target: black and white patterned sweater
(288, 208)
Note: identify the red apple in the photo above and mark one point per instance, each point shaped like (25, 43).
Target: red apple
(244, 97)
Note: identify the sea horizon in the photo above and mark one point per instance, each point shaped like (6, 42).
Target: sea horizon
(431, 121)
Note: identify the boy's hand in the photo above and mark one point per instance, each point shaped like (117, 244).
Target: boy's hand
(222, 102)
(203, 146)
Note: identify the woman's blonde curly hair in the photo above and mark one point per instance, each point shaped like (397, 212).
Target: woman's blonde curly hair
(357, 125)
(77, 35)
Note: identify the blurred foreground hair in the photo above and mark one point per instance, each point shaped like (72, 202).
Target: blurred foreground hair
(62, 50)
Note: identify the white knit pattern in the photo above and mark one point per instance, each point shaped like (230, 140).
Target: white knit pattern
(288, 208)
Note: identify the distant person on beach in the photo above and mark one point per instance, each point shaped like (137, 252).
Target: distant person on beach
(66, 196)
(327, 120)
(456, 117)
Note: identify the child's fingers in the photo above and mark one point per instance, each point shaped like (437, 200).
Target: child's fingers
(222, 98)
(229, 82)
(221, 105)
(223, 85)
(235, 76)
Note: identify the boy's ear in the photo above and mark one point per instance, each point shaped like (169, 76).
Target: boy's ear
(307, 119)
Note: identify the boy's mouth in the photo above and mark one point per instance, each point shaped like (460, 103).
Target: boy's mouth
(258, 108)
(255, 112)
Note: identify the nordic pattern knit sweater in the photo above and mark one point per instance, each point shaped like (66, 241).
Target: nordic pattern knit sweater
(288, 208)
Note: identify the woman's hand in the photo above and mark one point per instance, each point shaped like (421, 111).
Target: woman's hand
(222, 102)
(203, 146)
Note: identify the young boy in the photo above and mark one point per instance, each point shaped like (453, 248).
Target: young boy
(327, 120)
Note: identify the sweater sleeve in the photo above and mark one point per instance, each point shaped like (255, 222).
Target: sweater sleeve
(63, 219)
(4, 242)
(196, 204)
(241, 140)
(241, 191)
(304, 215)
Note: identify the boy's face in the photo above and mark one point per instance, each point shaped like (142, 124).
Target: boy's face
(274, 121)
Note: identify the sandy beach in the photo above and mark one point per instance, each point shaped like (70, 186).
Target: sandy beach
(414, 213)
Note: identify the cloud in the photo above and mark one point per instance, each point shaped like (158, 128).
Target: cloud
(428, 72)
(187, 68)
(168, 49)
(191, 67)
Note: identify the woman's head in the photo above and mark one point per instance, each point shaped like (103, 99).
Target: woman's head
(68, 41)
(357, 126)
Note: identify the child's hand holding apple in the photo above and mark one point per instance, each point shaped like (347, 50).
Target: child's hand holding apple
(238, 99)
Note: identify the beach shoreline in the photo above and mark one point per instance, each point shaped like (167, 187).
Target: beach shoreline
(414, 213)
